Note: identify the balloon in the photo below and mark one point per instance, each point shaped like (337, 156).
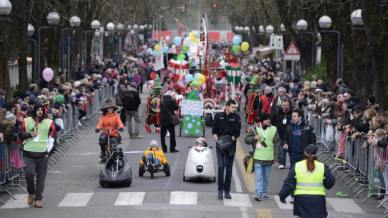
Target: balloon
(177, 41)
(188, 78)
(192, 36)
(152, 75)
(185, 49)
(48, 74)
(149, 50)
(195, 84)
(244, 46)
(236, 40)
(181, 57)
(157, 47)
(187, 41)
(236, 49)
(201, 79)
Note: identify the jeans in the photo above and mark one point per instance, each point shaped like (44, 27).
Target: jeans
(150, 157)
(295, 157)
(225, 163)
(262, 176)
(135, 115)
(36, 167)
(163, 132)
(282, 153)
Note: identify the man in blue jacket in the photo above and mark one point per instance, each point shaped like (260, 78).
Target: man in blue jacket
(298, 135)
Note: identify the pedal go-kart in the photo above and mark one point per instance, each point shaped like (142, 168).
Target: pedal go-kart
(153, 161)
(116, 170)
(199, 163)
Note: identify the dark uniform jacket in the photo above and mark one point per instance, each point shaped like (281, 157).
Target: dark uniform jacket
(168, 106)
(307, 206)
(227, 125)
(307, 137)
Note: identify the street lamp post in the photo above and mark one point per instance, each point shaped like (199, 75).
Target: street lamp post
(110, 27)
(5, 10)
(120, 28)
(53, 19)
(74, 23)
(30, 33)
(301, 26)
(94, 25)
(325, 23)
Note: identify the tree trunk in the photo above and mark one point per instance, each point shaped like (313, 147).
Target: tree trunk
(4, 74)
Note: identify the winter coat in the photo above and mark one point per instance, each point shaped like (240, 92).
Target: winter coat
(307, 137)
(277, 118)
(111, 122)
(168, 106)
(307, 206)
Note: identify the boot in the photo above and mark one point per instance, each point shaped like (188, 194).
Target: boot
(147, 128)
(39, 204)
(30, 199)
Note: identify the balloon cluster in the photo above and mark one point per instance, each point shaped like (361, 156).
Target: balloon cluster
(187, 42)
(239, 46)
(195, 81)
(158, 50)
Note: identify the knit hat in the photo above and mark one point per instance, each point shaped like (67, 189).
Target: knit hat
(109, 104)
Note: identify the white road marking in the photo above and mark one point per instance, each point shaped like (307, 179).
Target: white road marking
(344, 205)
(238, 200)
(183, 198)
(236, 179)
(133, 152)
(75, 200)
(130, 198)
(287, 206)
(20, 202)
(56, 172)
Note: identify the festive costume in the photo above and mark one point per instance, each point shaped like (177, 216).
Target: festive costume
(252, 105)
(153, 107)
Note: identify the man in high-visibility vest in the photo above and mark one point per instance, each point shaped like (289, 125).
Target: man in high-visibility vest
(37, 133)
(307, 180)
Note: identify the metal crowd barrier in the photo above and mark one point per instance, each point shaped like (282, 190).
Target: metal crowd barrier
(10, 171)
(357, 166)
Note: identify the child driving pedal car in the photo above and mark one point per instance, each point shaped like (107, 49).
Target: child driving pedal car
(110, 123)
(153, 154)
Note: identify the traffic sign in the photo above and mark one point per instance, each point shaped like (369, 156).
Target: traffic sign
(292, 53)
(276, 42)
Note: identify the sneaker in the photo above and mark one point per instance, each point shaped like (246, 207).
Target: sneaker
(173, 151)
(265, 197)
(79, 123)
(167, 134)
(292, 201)
(30, 199)
(281, 166)
(258, 198)
(38, 204)
(220, 196)
(227, 195)
(137, 136)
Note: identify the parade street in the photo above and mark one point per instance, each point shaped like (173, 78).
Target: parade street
(73, 190)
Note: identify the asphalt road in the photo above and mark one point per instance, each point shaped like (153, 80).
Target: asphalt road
(73, 190)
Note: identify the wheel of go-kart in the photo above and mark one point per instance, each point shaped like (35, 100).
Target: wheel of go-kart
(184, 177)
(152, 175)
(141, 170)
(151, 170)
(128, 182)
(166, 169)
(102, 184)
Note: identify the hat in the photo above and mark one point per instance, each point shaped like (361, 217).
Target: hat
(311, 149)
(319, 90)
(264, 116)
(153, 143)
(134, 84)
(109, 104)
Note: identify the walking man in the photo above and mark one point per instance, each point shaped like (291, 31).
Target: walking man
(37, 133)
(168, 106)
(265, 141)
(130, 100)
(298, 135)
(226, 130)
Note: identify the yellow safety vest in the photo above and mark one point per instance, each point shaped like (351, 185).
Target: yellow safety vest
(43, 130)
(309, 183)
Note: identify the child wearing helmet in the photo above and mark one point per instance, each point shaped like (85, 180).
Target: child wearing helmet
(154, 154)
(200, 142)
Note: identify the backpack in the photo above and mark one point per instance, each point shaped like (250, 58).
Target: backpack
(128, 100)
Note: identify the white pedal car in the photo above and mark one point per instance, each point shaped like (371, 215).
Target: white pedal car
(199, 163)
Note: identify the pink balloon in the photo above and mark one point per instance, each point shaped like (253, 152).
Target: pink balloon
(48, 74)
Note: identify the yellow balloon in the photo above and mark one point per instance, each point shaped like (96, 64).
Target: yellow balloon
(157, 47)
(201, 79)
(193, 36)
(244, 46)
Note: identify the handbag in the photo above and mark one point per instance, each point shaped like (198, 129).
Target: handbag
(225, 142)
(174, 118)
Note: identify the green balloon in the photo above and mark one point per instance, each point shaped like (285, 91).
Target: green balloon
(185, 49)
(236, 49)
(181, 57)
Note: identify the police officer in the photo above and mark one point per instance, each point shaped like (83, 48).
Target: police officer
(308, 180)
(227, 125)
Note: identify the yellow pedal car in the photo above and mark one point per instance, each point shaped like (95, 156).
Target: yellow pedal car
(153, 161)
